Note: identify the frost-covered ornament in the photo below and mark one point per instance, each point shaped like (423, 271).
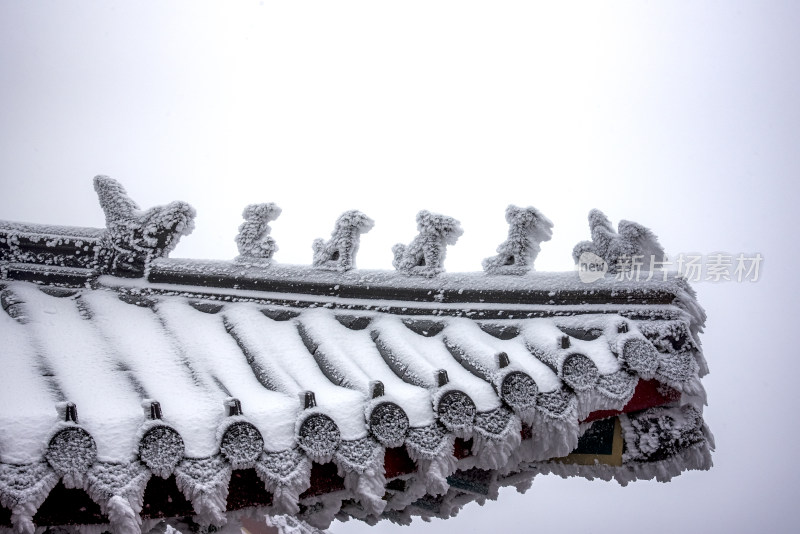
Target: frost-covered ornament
(241, 443)
(640, 355)
(527, 229)
(578, 371)
(319, 437)
(388, 423)
(619, 249)
(253, 240)
(619, 386)
(161, 448)
(339, 252)
(424, 256)
(71, 451)
(519, 391)
(456, 410)
(317, 434)
(134, 237)
(658, 433)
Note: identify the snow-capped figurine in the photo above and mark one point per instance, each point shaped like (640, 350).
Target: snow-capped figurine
(527, 228)
(424, 256)
(339, 252)
(631, 242)
(133, 237)
(253, 240)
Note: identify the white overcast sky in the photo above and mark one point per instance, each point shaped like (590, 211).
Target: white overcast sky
(684, 116)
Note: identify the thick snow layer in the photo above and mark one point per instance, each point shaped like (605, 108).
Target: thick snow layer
(352, 356)
(482, 349)
(190, 402)
(424, 356)
(128, 343)
(28, 404)
(85, 370)
(285, 364)
(217, 358)
(473, 345)
(544, 335)
(546, 379)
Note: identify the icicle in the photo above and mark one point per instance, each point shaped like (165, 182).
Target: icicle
(495, 436)
(694, 457)
(415, 487)
(360, 463)
(659, 432)
(122, 517)
(436, 470)
(204, 482)
(554, 427)
(286, 474)
(322, 510)
(287, 524)
(23, 489)
(431, 447)
(119, 490)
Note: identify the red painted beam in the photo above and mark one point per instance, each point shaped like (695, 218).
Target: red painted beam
(648, 394)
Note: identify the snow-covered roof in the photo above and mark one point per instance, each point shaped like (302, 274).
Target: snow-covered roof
(193, 388)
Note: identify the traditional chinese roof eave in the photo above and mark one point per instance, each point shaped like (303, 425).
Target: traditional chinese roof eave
(323, 389)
